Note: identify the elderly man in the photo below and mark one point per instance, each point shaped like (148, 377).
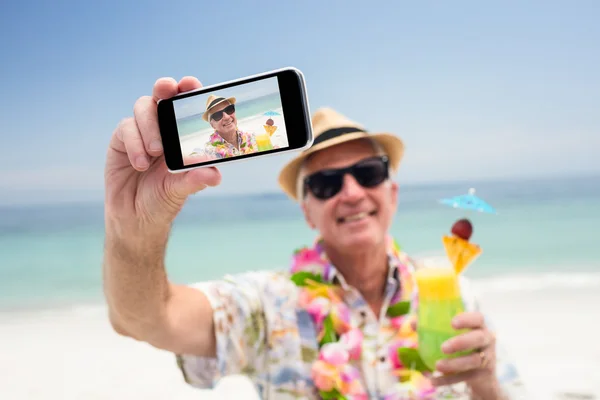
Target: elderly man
(322, 327)
(227, 140)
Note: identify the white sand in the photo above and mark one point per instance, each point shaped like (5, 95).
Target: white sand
(73, 354)
(254, 124)
(554, 336)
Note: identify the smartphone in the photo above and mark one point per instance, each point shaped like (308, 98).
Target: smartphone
(255, 116)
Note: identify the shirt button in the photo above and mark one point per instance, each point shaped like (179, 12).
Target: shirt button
(382, 359)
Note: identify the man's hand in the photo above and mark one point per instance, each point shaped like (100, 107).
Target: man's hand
(142, 196)
(142, 200)
(478, 366)
(478, 370)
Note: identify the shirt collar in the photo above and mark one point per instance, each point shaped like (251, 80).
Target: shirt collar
(393, 277)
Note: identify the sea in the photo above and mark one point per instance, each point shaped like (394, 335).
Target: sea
(243, 109)
(545, 232)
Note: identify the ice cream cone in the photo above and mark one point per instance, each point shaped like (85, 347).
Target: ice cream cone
(460, 252)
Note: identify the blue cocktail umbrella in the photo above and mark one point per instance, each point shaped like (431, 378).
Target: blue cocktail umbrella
(469, 202)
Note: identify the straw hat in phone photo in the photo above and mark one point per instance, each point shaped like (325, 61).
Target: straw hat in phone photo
(331, 128)
(212, 102)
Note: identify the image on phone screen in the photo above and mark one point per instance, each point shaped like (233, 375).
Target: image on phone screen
(231, 122)
(248, 117)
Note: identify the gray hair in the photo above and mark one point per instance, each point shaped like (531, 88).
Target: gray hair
(375, 145)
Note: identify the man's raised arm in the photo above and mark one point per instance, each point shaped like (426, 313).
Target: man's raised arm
(142, 200)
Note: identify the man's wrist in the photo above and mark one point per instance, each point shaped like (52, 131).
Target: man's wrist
(131, 241)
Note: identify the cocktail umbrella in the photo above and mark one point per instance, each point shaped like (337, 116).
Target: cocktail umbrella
(469, 202)
(271, 113)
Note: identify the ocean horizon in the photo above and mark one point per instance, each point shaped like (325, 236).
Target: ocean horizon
(544, 234)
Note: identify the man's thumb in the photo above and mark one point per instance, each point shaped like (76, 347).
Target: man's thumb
(182, 185)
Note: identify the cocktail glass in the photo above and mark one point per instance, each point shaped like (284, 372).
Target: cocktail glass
(263, 142)
(439, 302)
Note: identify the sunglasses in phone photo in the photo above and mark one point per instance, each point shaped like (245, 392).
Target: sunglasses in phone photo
(230, 109)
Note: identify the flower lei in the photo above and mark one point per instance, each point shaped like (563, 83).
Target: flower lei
(225, 149)
(340, 339)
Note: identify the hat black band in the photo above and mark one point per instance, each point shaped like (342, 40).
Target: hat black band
(333, 133)
(215, 101)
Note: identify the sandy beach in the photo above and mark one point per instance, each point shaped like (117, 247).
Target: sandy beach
(254, 124)
(74, 354)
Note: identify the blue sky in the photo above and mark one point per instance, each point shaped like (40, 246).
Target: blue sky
(476, 90)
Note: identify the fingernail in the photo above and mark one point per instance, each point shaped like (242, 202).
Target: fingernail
(438, 364)
(156, 145)
(141, 162)
(446, 347)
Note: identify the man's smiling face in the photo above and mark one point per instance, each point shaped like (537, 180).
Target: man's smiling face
(357, 216)
(227, 124)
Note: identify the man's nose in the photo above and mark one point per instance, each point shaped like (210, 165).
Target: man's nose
(227, 117)
(351, 189)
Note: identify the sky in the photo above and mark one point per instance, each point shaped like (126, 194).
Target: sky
(477, 90)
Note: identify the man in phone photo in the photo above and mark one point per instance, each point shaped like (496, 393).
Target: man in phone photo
(326, 326)
(226, 140)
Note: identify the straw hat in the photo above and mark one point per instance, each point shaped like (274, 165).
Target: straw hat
(212, 101)
(329, 129)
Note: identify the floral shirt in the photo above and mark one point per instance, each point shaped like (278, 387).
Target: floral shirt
(262, 333)
(217, 147)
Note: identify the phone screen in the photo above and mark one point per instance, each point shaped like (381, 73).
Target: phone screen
(236, 120)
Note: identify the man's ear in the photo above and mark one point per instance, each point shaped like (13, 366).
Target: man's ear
(306, 215)
(394, 188)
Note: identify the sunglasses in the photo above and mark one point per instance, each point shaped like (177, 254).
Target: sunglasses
(368, 173)
(230, 109)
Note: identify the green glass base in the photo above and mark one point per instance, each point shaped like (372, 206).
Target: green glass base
(434, 327)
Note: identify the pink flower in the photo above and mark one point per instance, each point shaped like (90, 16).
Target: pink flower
(396, 322)
(306, 257)
(393, 354)
(326, 377)
(334, 353)
(353, 341)
(318, 309)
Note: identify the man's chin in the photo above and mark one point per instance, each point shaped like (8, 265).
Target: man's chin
(359, 241)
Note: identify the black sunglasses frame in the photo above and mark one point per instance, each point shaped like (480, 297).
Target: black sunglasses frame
(339, 174)
(220, 112)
